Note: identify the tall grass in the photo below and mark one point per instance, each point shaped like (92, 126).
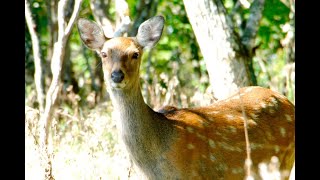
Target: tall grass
(85, 149)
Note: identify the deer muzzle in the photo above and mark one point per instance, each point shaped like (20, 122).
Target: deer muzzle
(117, 76)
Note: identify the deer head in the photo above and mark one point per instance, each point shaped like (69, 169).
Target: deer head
(121, 56)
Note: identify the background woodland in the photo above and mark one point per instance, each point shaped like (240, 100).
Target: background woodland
(209, 48)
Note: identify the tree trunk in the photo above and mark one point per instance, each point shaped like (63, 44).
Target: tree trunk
(110, 29)
(227, 60)
(52, 94)
(38, 75)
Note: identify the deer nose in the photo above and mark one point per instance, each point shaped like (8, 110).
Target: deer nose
(117, 76)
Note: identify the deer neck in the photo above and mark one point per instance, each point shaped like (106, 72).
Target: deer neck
(133, 111)
(131, 107)
(139, 124)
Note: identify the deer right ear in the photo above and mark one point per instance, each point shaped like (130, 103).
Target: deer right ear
(150, 31)
(91, 34)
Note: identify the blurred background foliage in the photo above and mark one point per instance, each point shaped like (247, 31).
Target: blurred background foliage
(176, 58)
(173, 72)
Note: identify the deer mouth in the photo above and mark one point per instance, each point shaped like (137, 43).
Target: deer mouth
(120, 85)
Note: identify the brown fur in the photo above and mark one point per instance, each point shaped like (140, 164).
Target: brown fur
(194, 143)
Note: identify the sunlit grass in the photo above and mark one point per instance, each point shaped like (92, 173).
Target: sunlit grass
(88, 150)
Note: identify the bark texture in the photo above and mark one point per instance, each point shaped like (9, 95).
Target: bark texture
(225, 57)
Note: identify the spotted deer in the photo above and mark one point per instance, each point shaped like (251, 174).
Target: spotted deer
(189, 143)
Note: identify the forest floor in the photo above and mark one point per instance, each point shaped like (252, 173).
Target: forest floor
(82, 149)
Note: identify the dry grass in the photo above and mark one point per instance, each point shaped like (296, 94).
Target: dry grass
(84, 149)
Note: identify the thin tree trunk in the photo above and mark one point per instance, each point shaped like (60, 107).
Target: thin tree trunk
(221, 48)
(252, 25)
(51, 97)
(250, 33)
(100, 16)
(38, 76)
(98, 8)
(123, 20)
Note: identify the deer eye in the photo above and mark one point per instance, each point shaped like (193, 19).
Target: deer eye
(135, 55)
(103, 54)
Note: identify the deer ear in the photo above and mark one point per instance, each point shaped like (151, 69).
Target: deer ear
(150, 31)
(91, 34)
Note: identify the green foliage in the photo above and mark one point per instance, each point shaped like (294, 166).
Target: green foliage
(132, 7)
(175, 67)
(177, 53)
(270, 56)
(275, 15)
(271, 52)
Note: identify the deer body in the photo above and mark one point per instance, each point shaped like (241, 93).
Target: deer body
(189, 143)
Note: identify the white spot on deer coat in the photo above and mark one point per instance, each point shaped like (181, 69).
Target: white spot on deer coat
(263, 105)
(248, 89)
(229, 147)
(229, 117)
(190, 146)
(254, 116)
(211, 143)
(190, 129)
(237, 170)
(232, 129)
(288, 117)
(213, 112)
(202, 137)
(282, 131)
(274, 102)
(212, 158)
(271, 110)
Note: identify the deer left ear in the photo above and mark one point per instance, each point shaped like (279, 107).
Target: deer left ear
(150, 31)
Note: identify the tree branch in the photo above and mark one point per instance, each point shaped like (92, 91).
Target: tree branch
(252, 25)
(52, 94)
(38, 77)
(111, 29)
(123, 19)
(101, 17)
(74, 16)
(56, 62)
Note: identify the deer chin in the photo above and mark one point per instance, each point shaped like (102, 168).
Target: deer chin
(120, 85)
